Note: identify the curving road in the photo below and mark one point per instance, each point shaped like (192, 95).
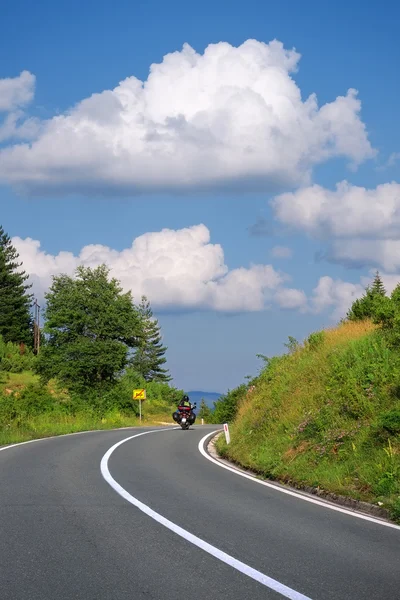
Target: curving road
(66, 533)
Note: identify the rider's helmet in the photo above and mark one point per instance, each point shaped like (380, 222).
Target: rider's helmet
(185, 399)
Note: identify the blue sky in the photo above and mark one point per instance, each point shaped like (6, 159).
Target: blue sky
(74, 50)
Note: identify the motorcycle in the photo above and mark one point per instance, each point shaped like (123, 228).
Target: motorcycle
(184, 416)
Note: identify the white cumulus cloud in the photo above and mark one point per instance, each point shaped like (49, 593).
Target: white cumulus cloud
(362, 226)
(291, 298)
(347, 212)
(335, 295)
(174, 268)
(230, 117)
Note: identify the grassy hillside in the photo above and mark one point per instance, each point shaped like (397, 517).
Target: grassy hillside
(326, 415)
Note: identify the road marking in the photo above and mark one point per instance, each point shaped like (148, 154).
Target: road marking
(62, 435)
(290, 492)
(282, 589)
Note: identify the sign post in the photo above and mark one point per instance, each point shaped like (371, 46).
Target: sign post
(139, 395)
(227, 434)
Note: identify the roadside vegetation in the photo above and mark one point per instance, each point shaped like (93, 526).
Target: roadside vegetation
(96, 346)
(327, 413)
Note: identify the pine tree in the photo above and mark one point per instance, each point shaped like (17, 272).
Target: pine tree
(150, 355)
(370, 304)
(15, 300)
(377, 288)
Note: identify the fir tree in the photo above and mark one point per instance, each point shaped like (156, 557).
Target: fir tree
(370, 304)
(150, 355)
(377, 288)
(15, 300)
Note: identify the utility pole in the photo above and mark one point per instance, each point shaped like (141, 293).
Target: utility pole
(36, 328)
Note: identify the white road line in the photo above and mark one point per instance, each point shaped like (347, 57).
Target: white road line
(62, 435)
(282, 589)
(290, 492)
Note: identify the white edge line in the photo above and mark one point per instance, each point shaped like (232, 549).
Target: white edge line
(193, 539)
(61, 435)
(290, 492)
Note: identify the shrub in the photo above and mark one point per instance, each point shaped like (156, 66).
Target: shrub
(13, 360)
(316, 339)
(33, 400)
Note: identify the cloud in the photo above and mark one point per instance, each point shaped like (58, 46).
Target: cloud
(281, 252)
(231, 118)
(360, 253)
(16, 92)
(362, 225)
(347, 212)
(336, 295)
(176, 269)
(391, 162)
(291, 298)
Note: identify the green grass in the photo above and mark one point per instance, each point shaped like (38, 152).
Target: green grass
(46, 425)
(327, 416)
(16, 381)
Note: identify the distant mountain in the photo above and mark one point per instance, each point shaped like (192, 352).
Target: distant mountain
(209, 397)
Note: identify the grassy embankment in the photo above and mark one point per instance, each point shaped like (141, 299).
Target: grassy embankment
(326, 415)
(29, 411)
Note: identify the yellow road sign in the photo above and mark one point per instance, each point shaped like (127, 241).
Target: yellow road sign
(139, 394)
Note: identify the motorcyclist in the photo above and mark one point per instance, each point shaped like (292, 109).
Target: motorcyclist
(185, 403)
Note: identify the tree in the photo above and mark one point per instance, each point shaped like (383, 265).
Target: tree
(150, 354)
(205, 411)
(377, 288)
(226, 407)
(387, 314)
(15, 301)
(370, 303)
(90, 326)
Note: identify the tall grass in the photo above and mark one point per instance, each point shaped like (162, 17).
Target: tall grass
(326, 415)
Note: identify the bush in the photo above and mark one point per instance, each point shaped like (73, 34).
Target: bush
(160, 397)
(226, 407)
(33, 400)
(13, 360)
(316, 339)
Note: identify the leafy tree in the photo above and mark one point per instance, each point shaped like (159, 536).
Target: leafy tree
(205, 411)
(91, 326)
(370, 303)
(226, 407)
(150, 354)
(15, 301)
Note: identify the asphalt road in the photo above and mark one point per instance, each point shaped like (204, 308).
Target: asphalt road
(66, 534)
